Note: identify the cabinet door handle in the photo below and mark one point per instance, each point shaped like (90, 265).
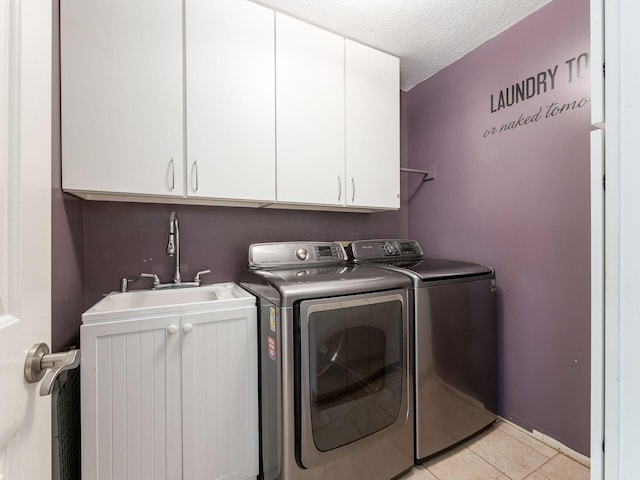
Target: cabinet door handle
(187, 327)
(339, 188)
(194, 176)
(353, 190)
(172, 170)
(172, 329)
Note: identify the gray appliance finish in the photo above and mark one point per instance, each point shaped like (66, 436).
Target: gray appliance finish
(336, 384)
(455, 341)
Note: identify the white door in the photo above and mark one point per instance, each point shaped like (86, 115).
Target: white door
(25, 232)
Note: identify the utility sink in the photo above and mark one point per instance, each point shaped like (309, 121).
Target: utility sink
(135, 303)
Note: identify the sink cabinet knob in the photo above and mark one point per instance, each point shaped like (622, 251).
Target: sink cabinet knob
(172, 329)
(187, 327)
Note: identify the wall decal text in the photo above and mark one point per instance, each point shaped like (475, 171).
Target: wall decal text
(538, 84)
(548, 111)
(542, 82)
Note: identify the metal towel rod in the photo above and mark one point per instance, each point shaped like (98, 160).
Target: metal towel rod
(426, 175)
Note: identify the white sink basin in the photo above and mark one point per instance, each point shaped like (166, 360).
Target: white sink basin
(117, 305)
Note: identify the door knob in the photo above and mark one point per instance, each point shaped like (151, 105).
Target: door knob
(40, 363)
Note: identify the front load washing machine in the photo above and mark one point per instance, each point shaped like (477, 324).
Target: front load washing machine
(336, 379)
(455, 341)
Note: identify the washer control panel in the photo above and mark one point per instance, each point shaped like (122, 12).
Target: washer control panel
(286, 254)
(380, 250)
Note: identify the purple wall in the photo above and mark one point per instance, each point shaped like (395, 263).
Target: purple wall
(127, 239)
(67, 230)
(517, 199)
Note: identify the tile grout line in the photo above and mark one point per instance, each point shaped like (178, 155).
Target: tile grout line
(495, 466)
(430, 472)
(539, 473)
(557, 452)
(537, 470)
(522, 443)
(526, 444)
(551, 443)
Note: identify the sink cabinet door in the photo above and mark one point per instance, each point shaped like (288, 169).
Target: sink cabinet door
(220, 394)
(130, 373)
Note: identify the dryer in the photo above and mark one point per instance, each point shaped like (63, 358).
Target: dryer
(455, 312)
(336, 377)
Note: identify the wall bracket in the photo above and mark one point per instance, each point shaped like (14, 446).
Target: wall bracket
(426, 175)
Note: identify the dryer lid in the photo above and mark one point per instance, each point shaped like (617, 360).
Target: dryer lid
(429, 269)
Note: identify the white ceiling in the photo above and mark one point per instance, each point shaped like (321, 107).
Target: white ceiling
(427, 35)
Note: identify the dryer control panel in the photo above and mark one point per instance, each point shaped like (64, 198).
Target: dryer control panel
(364, 251)
(287, 254)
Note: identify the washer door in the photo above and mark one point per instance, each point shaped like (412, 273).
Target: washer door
(352, 373)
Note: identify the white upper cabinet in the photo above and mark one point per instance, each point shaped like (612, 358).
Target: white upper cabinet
(230, 104)
(224, 102)
(310, 114)
(372, 101)
(122, 109)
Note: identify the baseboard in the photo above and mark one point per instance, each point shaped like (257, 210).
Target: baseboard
(553, 443)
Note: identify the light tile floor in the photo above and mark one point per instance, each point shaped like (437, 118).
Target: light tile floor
(501, 453)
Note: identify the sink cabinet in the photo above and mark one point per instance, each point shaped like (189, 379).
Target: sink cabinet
(171, 395)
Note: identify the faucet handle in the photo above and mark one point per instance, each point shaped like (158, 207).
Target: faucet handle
(199, 274)
(125, 281)
(156, 279)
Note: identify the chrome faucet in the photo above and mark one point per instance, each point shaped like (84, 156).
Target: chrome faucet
(173, 249)
(173, 246)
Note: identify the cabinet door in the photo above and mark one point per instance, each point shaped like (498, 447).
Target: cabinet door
(372, 83)
(130, 396)
(121, 87)
(220, 396)
(310, 118)
(230, 78)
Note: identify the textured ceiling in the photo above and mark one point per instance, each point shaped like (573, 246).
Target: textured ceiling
(427, 35)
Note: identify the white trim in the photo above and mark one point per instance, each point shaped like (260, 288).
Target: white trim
(596, 57)
(10, 152)
(612, 245)
(597, 304)
(629, 235)
(5, 69)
